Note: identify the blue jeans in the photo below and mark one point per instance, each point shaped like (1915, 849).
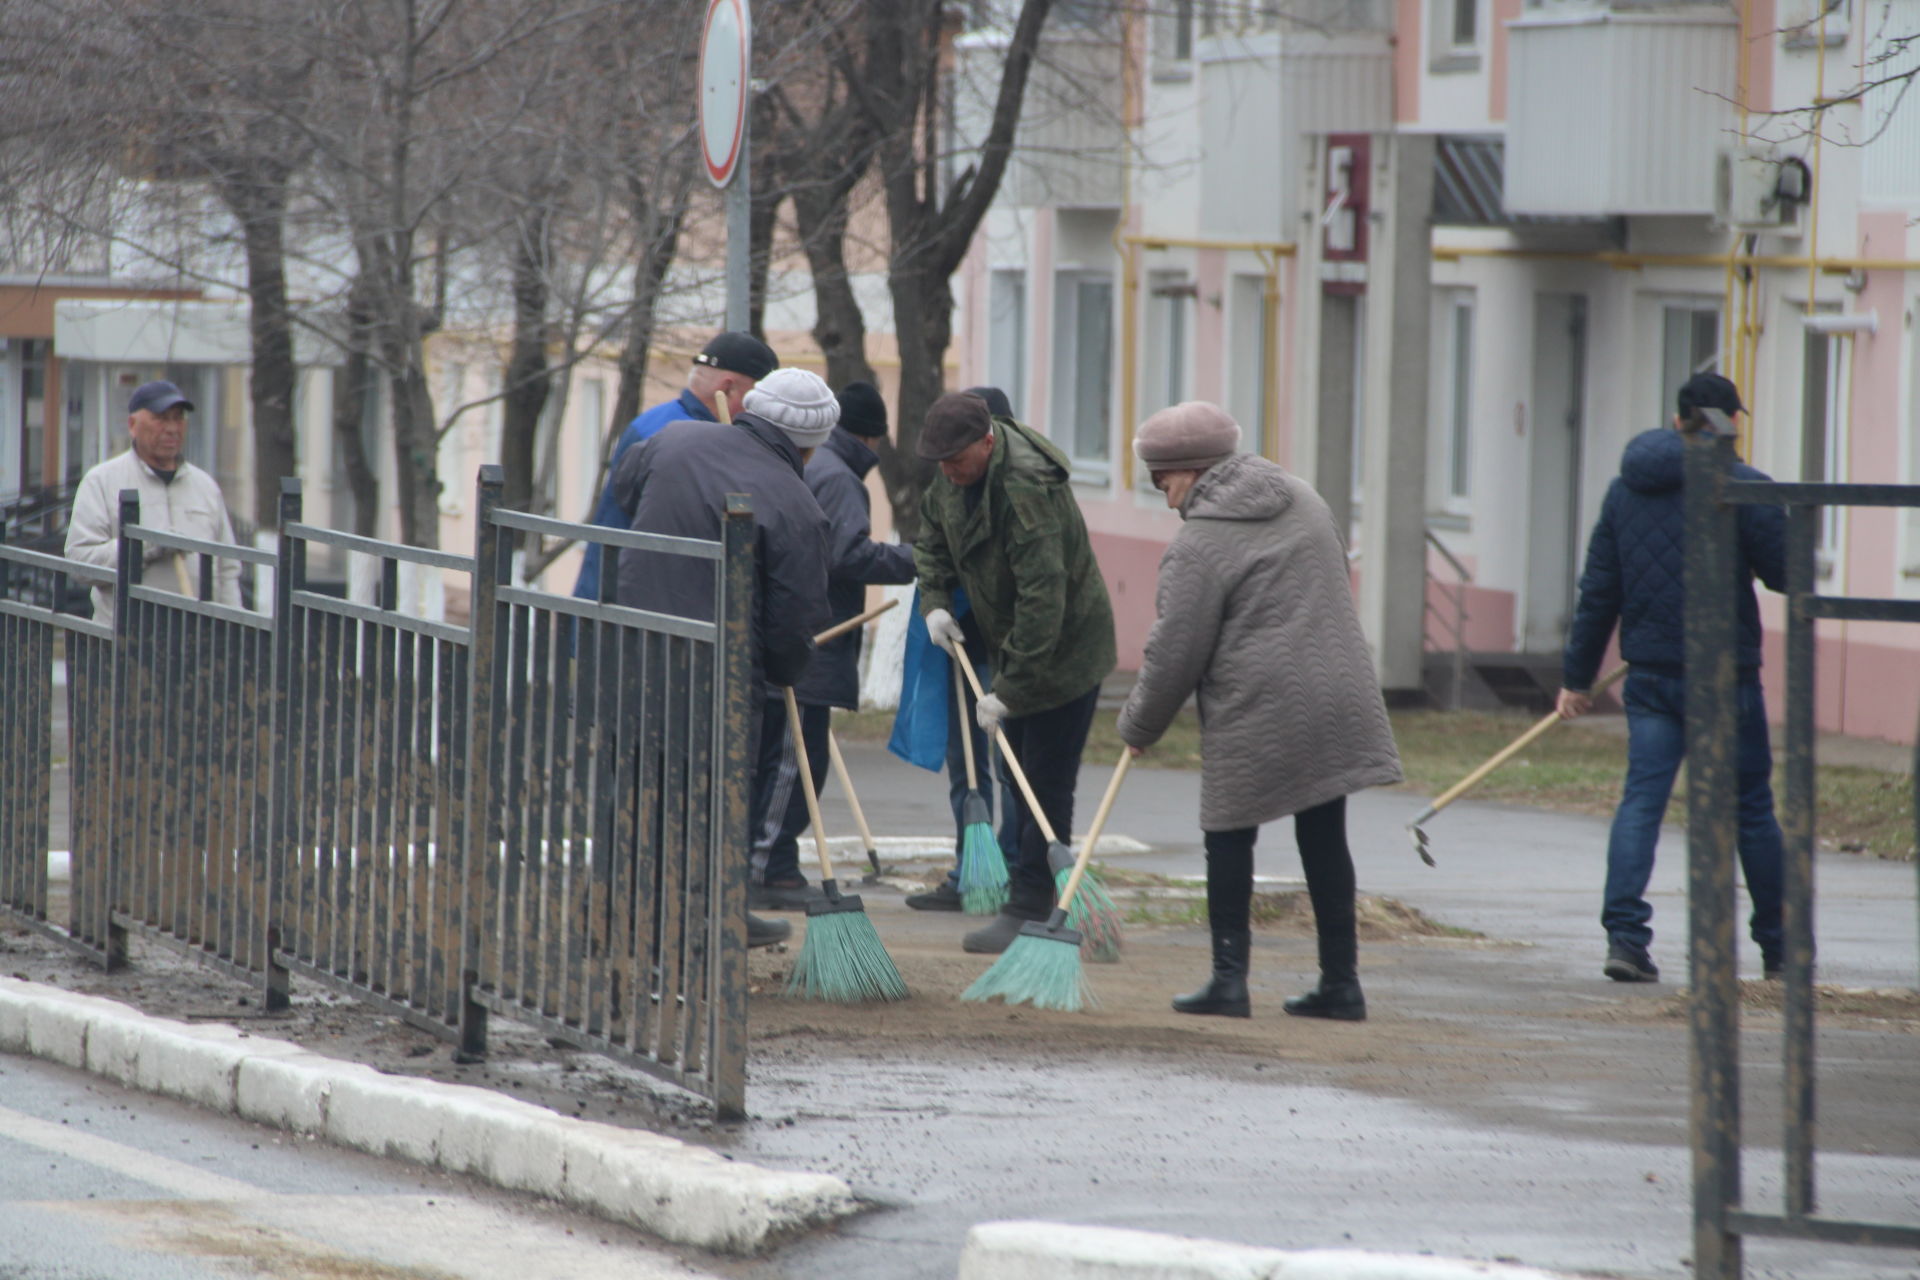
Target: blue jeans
(1656, 742)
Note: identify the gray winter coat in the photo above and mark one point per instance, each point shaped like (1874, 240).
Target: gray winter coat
(836, 474)
(1256, 615)
(677, 482)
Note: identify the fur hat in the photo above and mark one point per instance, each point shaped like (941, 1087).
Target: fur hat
(1190, 436)
(798, 402)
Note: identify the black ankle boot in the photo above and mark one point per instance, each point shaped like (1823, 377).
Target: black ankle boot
(1338, 1000)
(1226, 994)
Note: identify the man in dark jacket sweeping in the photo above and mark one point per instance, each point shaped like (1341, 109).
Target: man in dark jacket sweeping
(837, 476)
(1635, 574)
(725, 369)
(1001, 520)
(677, 483)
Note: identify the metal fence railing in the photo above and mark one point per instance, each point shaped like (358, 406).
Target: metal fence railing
(536, 813)
(1721, 1220)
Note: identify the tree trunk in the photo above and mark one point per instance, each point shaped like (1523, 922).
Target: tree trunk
(416, 441)
(838, 326)
(923, 326)
(352, 388)
(657, 251)
(257, 197)
(528, 377)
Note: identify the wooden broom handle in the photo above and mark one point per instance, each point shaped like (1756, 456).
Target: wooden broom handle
(1518, 745)
(180, 574)
(839, 629)
(846, 785)
(966, 728)
(1093, 832)
(806, 781)
(1013, 764)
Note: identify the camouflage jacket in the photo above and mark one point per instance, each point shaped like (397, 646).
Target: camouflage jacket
(1023, 556)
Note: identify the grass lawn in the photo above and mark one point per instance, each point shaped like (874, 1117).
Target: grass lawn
(1572, 769)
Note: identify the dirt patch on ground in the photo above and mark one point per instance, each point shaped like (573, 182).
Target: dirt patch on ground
(1166, 952)
(1881, 1008)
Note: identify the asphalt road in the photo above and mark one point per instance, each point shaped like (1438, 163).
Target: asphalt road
(100, 1183)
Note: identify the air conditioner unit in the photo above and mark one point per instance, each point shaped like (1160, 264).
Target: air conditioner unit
(1754, 192)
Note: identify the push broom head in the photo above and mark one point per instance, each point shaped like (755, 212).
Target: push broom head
(843, 960)
(1093, 914)
(1041, 968)
(983, 868)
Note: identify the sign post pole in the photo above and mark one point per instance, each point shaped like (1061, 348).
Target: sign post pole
(726, 64)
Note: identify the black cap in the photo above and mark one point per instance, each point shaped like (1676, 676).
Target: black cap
(739, 353)
(862, 411)
(157, 397)
(1708, 391)
(997, 403)
(953, 422)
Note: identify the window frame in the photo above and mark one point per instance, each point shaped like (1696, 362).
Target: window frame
(1070, 284)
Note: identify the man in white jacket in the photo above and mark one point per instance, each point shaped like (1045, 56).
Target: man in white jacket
(175, 496)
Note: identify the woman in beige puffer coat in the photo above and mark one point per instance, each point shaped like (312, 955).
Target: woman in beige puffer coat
(1256, 616)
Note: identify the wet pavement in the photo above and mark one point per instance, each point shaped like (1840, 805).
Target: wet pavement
(1547, 1123)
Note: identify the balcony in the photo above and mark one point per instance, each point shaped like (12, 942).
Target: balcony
(1616, 111)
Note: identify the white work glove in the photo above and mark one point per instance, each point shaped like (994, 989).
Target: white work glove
(989, 712)
(944, 631)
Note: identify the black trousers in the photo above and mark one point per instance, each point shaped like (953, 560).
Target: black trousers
(1321, 833)
(779, 807)
(1048, 745)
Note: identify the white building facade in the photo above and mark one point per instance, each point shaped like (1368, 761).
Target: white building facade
(1445, 257)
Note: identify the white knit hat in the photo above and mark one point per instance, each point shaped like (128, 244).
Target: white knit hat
(798, 402)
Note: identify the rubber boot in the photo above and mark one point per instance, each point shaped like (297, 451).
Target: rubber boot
(1029, 900)
(1338, 994)
(1225, 995)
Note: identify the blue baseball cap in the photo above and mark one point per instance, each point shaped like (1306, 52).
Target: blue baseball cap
(157, 397)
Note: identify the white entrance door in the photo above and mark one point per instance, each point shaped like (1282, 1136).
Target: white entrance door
(1557, 413)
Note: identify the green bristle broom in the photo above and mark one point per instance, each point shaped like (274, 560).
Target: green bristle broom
(983, 867)
(1042, 967)
(1094, 915)
(843, 959)
(1095, 918)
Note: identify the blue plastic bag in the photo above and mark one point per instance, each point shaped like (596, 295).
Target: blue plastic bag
(926, 693)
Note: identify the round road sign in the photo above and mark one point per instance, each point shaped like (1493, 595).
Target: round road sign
(726, 48)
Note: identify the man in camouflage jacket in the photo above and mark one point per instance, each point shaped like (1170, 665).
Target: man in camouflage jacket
(1001, 521)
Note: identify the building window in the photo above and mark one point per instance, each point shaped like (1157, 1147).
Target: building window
(1173, 34)
(1083, 368)
(1455, 43)
(1822, 433)
(1252, 352)
(1689, 344)
(1169, 326)
(1452, 462)
(1007, 337)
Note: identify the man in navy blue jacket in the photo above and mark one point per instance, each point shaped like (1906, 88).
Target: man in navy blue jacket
(1635, 575)
(728, 366)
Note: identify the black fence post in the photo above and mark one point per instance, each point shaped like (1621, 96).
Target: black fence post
(486, 682)
(125, 815)
(1712, 645)
(1797, 886)
(281, 863)
(738, 704)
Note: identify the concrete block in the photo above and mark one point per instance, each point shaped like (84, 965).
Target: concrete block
(286, 1090)
(57, 1030)
(196, 1063)
(386, 1115)
(693, 1196)
(114, 1046)
(13, 1016)
(1056, 1251)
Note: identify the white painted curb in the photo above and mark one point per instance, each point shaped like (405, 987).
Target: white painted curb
(1055, 1251)
(681, 1193)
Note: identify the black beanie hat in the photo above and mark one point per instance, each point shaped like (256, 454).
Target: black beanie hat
(862, 411)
